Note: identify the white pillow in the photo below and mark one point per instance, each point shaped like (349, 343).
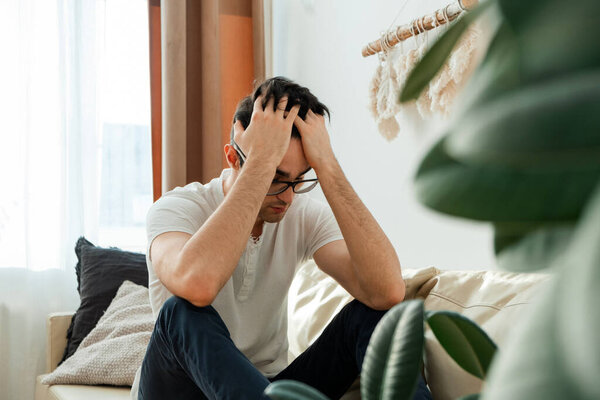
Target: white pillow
(112, 352)
(496, 300)
(315, 298)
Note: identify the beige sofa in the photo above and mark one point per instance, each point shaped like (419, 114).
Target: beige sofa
(495, 300)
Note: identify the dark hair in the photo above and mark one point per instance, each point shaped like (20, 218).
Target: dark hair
(278, 87)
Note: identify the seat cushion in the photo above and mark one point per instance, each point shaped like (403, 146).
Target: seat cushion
(79, 392)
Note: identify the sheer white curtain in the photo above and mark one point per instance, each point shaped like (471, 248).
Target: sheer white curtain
(73, 87)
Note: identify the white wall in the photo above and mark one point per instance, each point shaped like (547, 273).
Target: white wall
(318, 44)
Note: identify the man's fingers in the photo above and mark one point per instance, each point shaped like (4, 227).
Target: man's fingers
(293, 113)
(270, 104)
(282, 105)
(258, 105)
(238, 127)
(300, 123)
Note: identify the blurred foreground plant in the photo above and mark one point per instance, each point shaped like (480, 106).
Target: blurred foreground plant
(394, 356)
(524, 154)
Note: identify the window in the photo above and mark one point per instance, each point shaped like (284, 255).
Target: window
(75, 142)
(124, 103)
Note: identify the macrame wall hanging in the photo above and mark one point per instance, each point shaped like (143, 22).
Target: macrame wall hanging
(396, 63)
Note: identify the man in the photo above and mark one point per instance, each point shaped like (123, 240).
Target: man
(222, 257)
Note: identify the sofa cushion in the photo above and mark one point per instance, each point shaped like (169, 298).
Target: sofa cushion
(495, 300)
(100, 272)
(78, 392)
(115, 348)
(315, 298)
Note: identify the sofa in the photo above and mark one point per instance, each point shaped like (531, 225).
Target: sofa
(495, 300)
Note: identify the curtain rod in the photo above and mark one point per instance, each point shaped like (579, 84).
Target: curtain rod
(419, 25)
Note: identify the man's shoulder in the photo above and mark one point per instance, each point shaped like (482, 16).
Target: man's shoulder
(211, 192)
(194, 201)
(191, 190)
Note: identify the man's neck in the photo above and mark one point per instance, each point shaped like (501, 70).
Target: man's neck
(227, 183)
(257, 229)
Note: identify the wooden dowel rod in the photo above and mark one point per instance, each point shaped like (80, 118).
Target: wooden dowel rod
(420, 25)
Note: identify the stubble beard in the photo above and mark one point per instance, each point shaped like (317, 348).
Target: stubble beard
(267, 215)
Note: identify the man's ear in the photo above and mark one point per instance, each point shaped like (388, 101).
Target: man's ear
(231, 156)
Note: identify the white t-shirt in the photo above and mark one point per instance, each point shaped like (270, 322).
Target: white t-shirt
(253, 302)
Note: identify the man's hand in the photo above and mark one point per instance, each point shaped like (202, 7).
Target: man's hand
(268, 134)
(315, 140)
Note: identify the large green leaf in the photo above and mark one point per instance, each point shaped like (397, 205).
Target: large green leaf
(394, 355)
(474, 396)
(463, 340)
(530, 250)
(551, 125)
(554, 352)
(519, 13)
(579, 303)
(286, 389)
(498, 73)
(540, 40)
(558, 39)
(435, 57)
(501, 194)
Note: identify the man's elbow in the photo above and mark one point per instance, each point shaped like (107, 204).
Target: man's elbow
(390, 298)
(197, 296)
(200, 294)
(201, 301)
(199, 291)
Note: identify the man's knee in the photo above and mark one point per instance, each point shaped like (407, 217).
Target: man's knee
(363, 314)
(171, 304)
(177, 310)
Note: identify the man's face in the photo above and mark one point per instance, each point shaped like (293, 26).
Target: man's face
(293, 166)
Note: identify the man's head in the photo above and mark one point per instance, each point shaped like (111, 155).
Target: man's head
(293, 166)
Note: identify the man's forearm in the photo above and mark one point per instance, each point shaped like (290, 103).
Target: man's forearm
(209, 258)
(374, 259)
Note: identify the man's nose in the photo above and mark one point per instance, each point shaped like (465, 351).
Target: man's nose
(287, 195)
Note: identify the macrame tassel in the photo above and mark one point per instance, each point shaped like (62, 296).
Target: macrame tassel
(445, 87)
(384, 104)
(439, 95)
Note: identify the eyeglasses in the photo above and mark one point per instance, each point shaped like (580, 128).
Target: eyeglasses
(278, 186)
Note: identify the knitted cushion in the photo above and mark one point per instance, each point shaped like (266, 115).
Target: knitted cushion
(111, 353)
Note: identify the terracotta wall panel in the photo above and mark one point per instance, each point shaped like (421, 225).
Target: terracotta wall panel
(208, 62)
(237, 67)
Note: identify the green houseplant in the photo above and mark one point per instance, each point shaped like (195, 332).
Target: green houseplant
(524, 154)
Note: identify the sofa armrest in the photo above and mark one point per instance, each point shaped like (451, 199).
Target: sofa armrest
(57, 325)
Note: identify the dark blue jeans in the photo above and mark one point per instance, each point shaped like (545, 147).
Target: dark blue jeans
(191, 356)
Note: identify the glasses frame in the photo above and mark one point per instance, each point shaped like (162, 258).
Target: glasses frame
(293, 184)
(239, 152)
